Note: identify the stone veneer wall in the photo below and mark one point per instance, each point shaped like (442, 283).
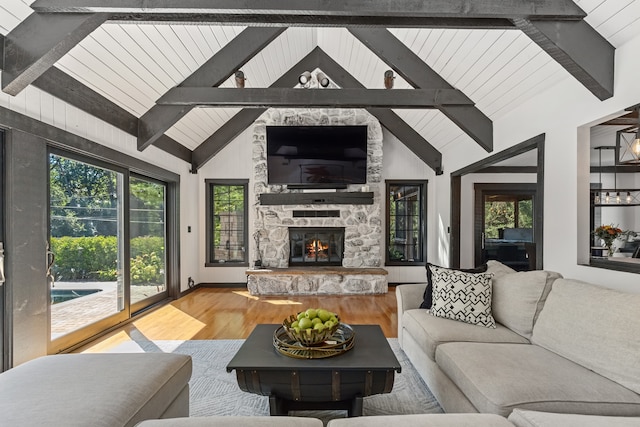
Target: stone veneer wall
(362, 223)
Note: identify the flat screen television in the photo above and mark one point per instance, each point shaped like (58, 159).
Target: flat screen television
(317, 156)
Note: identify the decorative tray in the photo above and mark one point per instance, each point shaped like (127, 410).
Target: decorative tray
(340, 342)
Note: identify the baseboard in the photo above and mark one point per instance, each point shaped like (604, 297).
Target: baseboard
(222, 285)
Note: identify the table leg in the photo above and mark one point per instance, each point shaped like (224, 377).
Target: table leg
(356, 407)
(276, 406)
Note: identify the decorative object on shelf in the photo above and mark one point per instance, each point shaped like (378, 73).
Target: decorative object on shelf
(388, 79)
(240, 79)
(608, 234)
(341, 341)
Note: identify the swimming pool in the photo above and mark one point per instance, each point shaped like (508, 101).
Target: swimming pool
(62, 295)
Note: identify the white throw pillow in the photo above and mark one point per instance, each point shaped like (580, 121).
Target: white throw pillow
(462, 296)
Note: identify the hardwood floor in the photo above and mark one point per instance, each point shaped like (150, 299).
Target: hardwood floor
(231, 313)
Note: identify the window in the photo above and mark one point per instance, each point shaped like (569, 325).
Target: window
(227, 222)
(406, 222)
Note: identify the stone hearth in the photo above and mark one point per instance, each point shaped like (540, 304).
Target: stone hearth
(317, 281)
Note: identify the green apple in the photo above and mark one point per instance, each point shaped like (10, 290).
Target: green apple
(305, 323)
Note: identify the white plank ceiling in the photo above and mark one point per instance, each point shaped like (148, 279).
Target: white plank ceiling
(133, 64)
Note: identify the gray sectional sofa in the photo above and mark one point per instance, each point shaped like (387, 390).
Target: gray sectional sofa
(559, 346)
(97, 390)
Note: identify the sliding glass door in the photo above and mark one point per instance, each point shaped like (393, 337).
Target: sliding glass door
(147, 220)
(107, 255)
(87, 247)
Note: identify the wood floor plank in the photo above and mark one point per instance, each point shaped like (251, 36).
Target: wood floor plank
(232, 313)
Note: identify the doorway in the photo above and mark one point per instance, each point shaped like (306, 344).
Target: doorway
(524, 158)
(505, 224)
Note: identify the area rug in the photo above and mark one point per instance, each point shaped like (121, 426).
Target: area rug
(214, 391)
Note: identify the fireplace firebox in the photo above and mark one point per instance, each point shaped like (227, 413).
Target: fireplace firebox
(316, 246)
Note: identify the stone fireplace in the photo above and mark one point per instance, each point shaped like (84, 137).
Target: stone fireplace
(316, 246)
(362, 223)
(328, 242)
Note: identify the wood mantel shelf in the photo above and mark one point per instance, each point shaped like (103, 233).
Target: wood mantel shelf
(322, 198)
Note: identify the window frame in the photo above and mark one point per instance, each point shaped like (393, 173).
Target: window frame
(422, 232)
(209, 185)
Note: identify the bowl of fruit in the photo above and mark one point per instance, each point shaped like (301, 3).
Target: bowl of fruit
(311, 327)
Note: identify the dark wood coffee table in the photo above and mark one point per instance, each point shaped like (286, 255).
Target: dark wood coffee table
(338, 382)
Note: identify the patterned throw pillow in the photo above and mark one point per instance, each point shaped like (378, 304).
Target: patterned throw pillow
(428, 292)
(462, 296)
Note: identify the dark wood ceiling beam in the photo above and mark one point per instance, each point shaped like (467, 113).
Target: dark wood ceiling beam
(155, 122)
(247, 116)
(540, 9)
(64, 87)
(388, 118)
(419, 75)
(39, 41)
(328, 98)
(322, 21)
(580, 49)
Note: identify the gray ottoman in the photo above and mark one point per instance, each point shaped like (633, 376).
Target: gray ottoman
(239, 421)
(98, 390)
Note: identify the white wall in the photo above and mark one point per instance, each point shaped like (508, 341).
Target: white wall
(565, 113)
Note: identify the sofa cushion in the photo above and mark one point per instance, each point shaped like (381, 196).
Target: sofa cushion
(100, 390)
(432, 331)
(234, 421)
(498, 269)
(497, 378)
(462, 296)
(423, 420)
(517, 298)
(596, 327)
(427, 298)
(523, 418)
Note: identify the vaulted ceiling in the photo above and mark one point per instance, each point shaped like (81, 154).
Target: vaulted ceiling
(472, 61)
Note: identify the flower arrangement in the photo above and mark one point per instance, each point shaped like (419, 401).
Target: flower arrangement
(608, 234)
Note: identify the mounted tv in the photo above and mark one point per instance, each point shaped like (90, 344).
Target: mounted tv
(317, 156)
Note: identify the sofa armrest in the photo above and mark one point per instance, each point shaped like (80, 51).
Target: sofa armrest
(408, 297)
(527, 418)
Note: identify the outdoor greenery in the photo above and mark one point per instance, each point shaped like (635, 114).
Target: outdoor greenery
(95, 258)
(500, 215)
(85, 212)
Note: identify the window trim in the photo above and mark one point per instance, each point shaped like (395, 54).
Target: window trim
(209, 222)
(423, 221)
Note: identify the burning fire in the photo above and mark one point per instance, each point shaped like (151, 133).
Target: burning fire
(316, 248)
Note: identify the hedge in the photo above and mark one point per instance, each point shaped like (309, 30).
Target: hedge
(95, 258)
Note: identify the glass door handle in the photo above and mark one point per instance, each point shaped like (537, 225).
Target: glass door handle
(51, 258)
(2, 278)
